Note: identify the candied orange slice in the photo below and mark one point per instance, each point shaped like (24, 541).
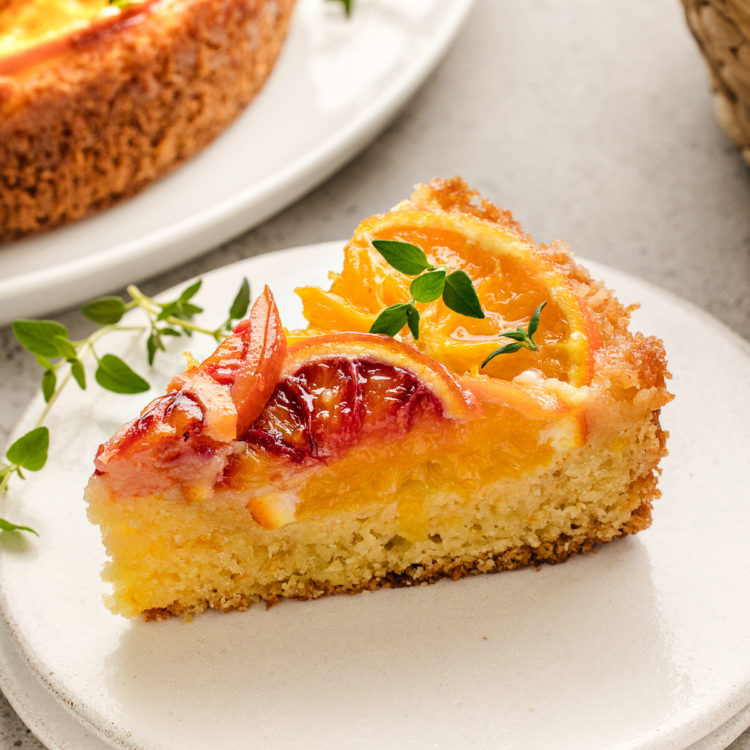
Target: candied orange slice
(337, 388)
(458, 402)
(511, 276)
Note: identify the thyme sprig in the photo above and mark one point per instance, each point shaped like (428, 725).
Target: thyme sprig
(522, 337)
(431, 283)
(348, 6)
(62, 360)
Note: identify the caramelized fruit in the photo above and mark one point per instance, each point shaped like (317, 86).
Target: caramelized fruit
(207, 406)
(329, 405)
(511, 277)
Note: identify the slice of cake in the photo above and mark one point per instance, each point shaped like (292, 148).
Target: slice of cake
(298, 464)
(98, 100)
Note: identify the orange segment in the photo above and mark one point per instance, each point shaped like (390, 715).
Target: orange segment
(511, 277)
(332, 313)
(248, 362)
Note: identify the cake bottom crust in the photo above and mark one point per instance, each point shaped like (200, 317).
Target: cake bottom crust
(550, 552)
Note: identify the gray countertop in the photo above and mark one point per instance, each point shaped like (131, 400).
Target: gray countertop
(591, 121)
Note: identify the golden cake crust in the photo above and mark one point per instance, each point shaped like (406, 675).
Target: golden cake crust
(96, 116)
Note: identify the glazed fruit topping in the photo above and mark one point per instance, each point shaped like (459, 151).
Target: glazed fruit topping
(327, 406)
(171, 414)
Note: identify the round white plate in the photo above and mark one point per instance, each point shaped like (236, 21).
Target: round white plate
(643, 645)
(335, 86)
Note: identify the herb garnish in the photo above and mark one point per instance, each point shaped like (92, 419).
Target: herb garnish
(62, 360)
(431, 283)
(348, 6)
(521, 337)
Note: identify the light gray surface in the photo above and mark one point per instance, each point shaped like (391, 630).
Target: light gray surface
(591, 121)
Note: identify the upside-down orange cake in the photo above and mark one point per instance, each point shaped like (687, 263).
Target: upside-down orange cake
(333, 459)
(99, 98)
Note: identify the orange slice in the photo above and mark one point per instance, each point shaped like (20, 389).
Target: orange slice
(511, 276)
(337, 388)
(457, 401)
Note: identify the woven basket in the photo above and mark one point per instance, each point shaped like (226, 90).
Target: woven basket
(722, 30)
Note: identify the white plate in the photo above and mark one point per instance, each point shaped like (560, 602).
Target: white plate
(336, 84)
(643, 645)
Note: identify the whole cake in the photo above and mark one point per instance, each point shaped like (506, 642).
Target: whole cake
(98, 100)
(339, 458)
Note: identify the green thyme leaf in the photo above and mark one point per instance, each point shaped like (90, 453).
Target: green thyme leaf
(8, 526)
(180, 309)
(30, 450)
(241, 302)
(403, 256)
(105, 310)
(154, 344)
(392, 319)
(521, 336)
(49, 381)
(44, 362)
(150, 349)
(507, 349)
(38, 336)
(114, 375)
(191, 291)
(169, 332)
(460, 296)
(168, 309)
(429, 286)
(348, 6)
(191, 309)
(78, 373)
(534, 322)
(412, 320)
(64, 347)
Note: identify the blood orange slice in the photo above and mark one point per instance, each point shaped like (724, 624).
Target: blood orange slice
(337, 388)
(511, 276)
